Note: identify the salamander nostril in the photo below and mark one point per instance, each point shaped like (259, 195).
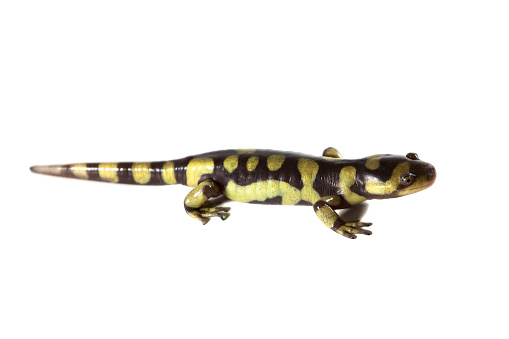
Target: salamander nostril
(430, 172)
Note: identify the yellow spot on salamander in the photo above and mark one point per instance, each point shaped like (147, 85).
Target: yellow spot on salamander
(327, 216)
(263, 190)
(231, 163)
(141, 172)
(373, 162)
(198, 167)
(308, 170)
(245, 151)
(196, 198)
(252, 162)
(332, 200)
(108, 171)
(168, 173)
(274, 162)
(346, 180)
(381, 188)
(79, 171)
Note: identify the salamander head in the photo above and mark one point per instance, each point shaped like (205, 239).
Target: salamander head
(391, 176)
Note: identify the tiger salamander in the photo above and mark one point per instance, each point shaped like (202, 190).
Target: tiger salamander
(326, 182)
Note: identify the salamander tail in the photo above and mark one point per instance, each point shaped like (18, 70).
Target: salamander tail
(141, 173)
(47, 170)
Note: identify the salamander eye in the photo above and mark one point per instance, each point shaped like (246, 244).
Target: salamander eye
(407, 179)
(412, 156)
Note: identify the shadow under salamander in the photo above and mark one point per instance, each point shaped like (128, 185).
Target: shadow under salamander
(355, 212)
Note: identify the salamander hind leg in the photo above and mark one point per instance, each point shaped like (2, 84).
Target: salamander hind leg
(198, 206)
(324, 209)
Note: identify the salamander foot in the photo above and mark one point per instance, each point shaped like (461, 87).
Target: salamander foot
(349, 229)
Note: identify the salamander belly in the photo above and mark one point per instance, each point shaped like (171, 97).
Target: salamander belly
(269, 177)
(267, 191)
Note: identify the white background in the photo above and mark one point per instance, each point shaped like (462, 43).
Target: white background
(140, 81)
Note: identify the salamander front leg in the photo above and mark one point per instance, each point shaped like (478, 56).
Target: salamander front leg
(324, 209)
(196, 202)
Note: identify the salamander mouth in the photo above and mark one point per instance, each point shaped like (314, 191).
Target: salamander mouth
(419, 188)
(415, 189)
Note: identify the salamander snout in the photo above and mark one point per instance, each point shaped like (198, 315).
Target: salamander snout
(431, 173)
